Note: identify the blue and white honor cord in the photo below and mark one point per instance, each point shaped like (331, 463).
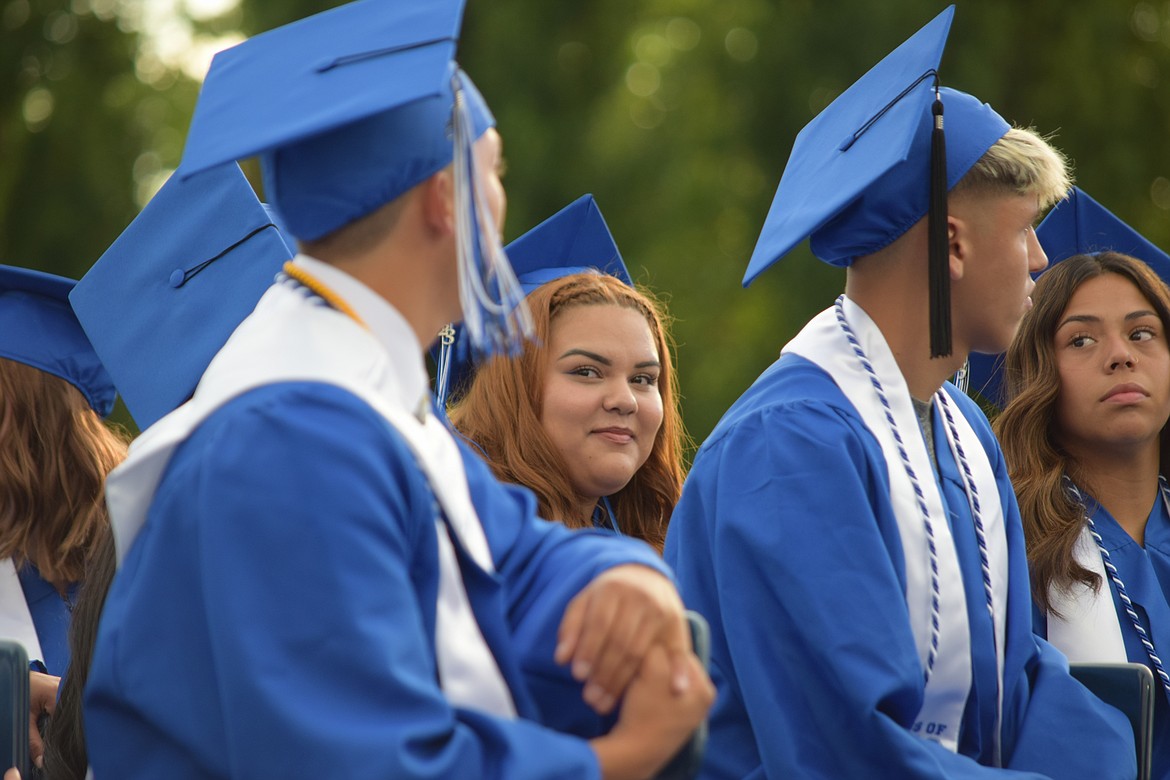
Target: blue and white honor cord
(968, 485)
(984, 564)
(1126, 603)
(495, 314)
(973, 497)
(920, 499)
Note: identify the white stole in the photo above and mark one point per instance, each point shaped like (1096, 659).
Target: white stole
(15, 619)
(1090, 630)
(292, 337)
(824, 343)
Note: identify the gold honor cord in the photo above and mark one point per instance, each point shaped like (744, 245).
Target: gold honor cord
(321, 289)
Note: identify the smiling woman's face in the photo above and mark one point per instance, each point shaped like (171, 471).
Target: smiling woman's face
(601, 404)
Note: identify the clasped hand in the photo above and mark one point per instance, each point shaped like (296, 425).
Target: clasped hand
(610, 626)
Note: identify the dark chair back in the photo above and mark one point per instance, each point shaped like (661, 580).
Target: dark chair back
(686, 763)
(1129, 688)
(13, 707)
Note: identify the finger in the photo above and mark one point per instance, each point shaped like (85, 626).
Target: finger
(630, 637)
(12, 774)
(569, 633)
(36, 748)
(43, 692)
(680, 649)
(595, 630)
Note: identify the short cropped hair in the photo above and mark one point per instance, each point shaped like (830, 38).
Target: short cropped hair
(357, 237)
(1021, 162)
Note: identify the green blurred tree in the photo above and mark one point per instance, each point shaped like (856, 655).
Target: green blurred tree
(677, 114)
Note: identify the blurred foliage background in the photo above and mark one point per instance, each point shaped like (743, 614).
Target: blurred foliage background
(678, 115)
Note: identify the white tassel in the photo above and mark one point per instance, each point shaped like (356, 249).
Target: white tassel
(443, 366)
(495, 314)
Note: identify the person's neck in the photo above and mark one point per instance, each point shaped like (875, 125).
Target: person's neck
(406, 278)
(907, 335)
(1123, 480)
(890, 285)
(585, 507)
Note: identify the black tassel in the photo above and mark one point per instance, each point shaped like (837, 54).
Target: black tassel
(939, 245)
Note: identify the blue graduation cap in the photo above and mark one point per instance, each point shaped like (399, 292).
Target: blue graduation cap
(860, 174)
(572, 241)
(167, 294)
(38, 328)
(1077, 225)
(348, 109)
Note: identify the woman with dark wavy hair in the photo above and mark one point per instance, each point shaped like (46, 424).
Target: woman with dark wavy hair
(1039, 428)
(55, 452)
(1084, 432)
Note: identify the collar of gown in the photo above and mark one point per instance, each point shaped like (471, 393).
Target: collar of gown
(386, 324)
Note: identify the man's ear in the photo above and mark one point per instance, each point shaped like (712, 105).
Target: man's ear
(438, 202)
(958, 245)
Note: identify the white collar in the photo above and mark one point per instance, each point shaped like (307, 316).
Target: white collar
(385, 323)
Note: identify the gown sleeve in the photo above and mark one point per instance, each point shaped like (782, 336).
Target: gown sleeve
(543, 565)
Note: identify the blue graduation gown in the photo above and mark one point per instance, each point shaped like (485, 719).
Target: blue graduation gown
(275, 616)
(785, 540)
(1146, 574)
(50, 615)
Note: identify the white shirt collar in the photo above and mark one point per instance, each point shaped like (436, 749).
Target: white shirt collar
(386, 324)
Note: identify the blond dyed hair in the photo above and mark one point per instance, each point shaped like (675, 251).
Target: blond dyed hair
(1021, 162)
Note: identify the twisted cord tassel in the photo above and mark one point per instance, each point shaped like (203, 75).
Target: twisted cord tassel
(1122, 595)
(932, 653)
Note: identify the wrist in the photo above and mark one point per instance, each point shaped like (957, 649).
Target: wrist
(624, 759)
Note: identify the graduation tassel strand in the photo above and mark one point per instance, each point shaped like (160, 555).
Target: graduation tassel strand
(495, 313)
(443, 367)
(939, 258)
(1122, 594)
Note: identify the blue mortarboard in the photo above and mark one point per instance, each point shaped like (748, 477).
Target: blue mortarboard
(348, 109)
(1077, 225)
(861, 174)
(1080, 225)
(38, 328)
(572, 241)
(165, 297)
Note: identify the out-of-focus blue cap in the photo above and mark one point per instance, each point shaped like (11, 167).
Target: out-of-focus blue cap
(165, 297)
(858, 176)
(38, 328)
(348, 109)
(1080, 225)
(1077, 225)
(572, 241)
